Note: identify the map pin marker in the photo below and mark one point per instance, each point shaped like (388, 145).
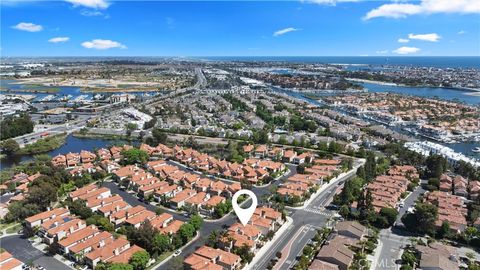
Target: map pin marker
(244, 214)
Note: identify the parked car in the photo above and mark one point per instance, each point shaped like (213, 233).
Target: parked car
(177, 252)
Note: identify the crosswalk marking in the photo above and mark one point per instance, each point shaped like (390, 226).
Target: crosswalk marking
(319, 212)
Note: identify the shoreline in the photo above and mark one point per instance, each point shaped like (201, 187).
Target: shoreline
(117, 90)
(43, 145)
(464, 89)
(84, 86)
(31, 91)
(100, 136)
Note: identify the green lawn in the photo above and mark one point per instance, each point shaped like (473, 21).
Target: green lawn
(160, 259)
(6, 225)
(14, 228)
(43, 145)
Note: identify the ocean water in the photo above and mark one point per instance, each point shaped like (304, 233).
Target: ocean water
(423, 61)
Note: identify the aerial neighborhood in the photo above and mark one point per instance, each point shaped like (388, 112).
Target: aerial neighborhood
(182, 163)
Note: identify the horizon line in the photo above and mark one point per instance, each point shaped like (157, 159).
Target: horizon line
(179, 56)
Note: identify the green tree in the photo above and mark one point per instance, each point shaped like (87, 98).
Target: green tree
(390, 214)
(212, 240)
(143, 236)
(119, 266)
(469, 233)
(244, 252)
(361, 172)
(102, 222)
(260, 136)
(13, 126)
(134, 156)
(186, 232)
(130, 127)
(139, 260)
(409, 258)
(159, 136)
(222, 208)
(436, 166)
(42, 193)
(196, 221)
(18, 211)
(444, 231)
(9, 147)
(370, 166)
(161, 243)
(344, 211)
(79, 208)
(422, 220)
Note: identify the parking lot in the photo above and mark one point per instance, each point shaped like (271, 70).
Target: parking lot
(25, 252)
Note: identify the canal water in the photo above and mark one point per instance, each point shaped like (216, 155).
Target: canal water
(72, 144)
(441, 93)
(452, 94)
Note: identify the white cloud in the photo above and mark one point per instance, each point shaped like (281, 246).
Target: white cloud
(90, 13)
(103, 44)
(433, 37)
(382, 52)
(461, 32)
(284, 31)
(402, 10)
(328, 2)
(29, 27)
(406, 50)
(97, 4)
(59, 39)
(403, 40)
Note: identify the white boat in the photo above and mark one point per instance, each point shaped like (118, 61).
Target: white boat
(476, 150)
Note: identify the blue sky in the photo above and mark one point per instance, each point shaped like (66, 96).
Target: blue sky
(230, 28)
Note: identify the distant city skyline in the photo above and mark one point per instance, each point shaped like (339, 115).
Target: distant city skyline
(233, 28)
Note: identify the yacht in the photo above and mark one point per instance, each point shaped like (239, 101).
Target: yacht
(476, 150)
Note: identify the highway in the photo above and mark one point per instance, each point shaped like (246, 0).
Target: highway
(201, 83)
(54, 130)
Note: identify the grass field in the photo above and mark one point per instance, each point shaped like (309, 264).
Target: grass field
(43, 145)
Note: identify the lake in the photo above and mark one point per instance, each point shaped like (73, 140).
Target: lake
(72, 144)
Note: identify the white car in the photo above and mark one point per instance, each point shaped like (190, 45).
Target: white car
(177, 252)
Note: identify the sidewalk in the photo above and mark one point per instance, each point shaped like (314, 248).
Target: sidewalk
(373, 258)
(259, 254)
(171, 256)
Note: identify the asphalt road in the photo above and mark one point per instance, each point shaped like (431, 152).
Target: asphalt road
(5, 198)
(392, 240)
(409, 202)
(65, 128)
(208, 226)
(305, 222)
(23, 250)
